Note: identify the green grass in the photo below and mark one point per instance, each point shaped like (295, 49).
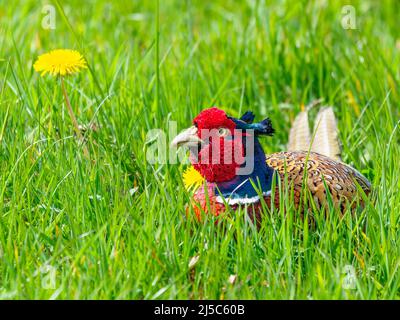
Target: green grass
(77, 218)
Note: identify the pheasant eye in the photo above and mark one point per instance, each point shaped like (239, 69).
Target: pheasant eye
(223, 132)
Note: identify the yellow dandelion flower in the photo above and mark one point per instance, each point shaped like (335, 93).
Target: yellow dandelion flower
(60, 62)
(192, 178)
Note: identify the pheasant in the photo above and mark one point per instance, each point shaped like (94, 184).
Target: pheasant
(219, 151)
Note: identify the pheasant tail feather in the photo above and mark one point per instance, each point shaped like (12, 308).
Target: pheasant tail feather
(326, 133)
(299, 136)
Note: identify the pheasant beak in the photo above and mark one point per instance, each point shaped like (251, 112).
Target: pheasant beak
(187, 137)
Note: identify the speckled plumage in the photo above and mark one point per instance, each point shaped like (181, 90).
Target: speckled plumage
(340, 179)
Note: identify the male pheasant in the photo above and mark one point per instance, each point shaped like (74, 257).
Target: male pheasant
(227, 153)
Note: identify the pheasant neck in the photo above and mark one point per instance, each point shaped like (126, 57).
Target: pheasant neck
(247, 188)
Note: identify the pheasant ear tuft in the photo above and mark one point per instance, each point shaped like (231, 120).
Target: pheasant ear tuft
(265, 128)
(248, 117)
(260, 128)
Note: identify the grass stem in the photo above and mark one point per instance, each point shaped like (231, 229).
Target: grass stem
(73, 119)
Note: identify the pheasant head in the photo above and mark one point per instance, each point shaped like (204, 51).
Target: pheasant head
(227, 153)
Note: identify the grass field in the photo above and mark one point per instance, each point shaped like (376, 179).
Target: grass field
(114, 226)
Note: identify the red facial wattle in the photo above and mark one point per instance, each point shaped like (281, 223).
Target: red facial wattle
(213, 118)
(219, 157)
(218, 164)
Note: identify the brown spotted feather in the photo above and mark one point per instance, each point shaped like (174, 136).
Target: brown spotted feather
(340, 179)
